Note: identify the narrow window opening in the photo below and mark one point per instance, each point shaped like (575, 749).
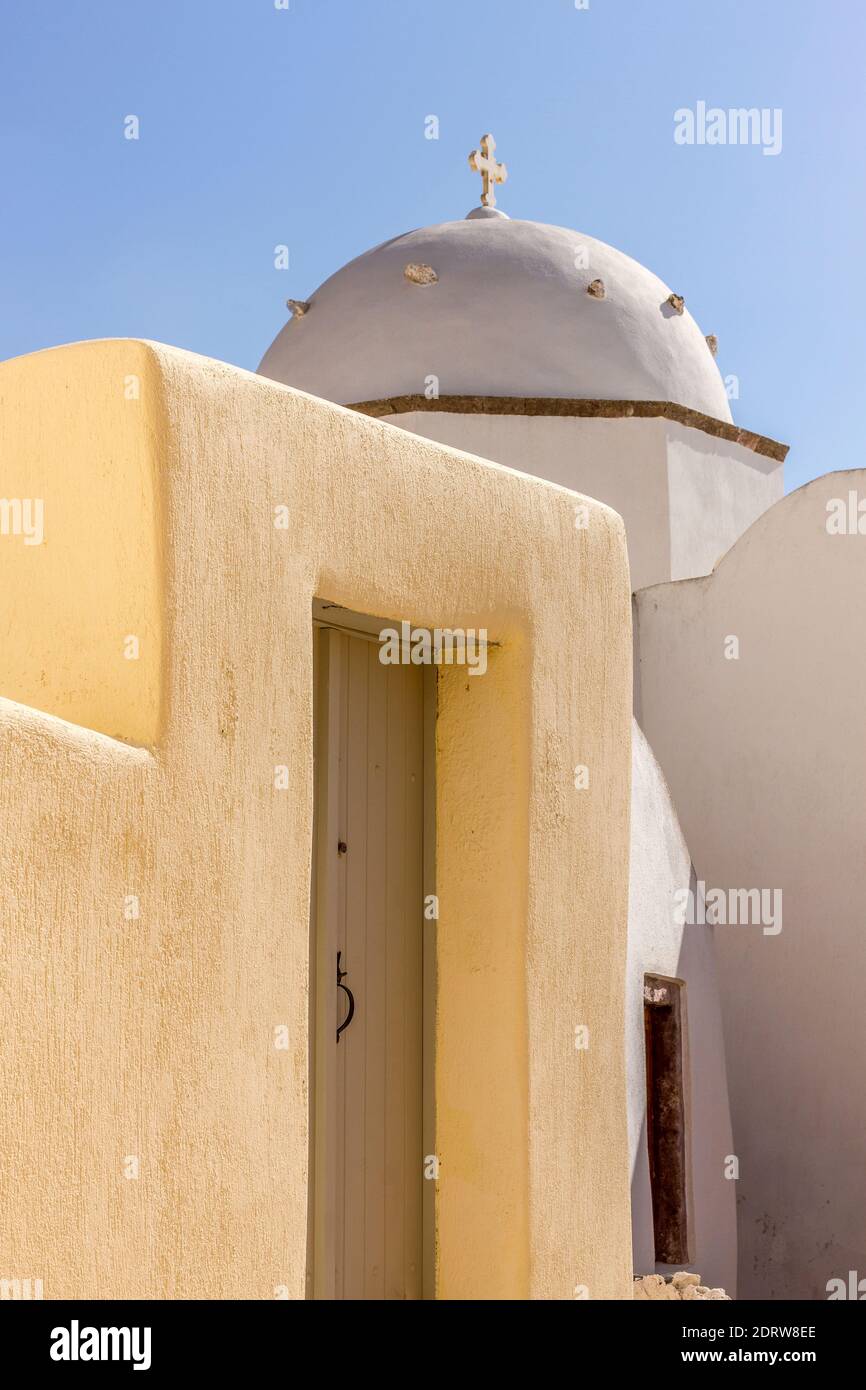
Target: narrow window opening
(664, 1027)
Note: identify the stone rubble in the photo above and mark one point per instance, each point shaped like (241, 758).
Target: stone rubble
(681, 1286)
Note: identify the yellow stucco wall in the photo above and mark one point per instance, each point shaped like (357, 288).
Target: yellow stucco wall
(153, 1036)
(96, 577)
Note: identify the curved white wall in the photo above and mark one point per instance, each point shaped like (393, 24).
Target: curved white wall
(766, 757)
(660, 865)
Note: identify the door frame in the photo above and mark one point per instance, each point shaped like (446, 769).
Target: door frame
(329, 621)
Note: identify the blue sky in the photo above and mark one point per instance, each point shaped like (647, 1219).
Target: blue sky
(305, 127)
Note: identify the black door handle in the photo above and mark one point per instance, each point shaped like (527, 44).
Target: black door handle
(341, 975)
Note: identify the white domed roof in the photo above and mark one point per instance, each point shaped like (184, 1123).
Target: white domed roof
(507, 312)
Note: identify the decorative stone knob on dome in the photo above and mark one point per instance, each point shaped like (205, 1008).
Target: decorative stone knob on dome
(420, 274)
(492, 172)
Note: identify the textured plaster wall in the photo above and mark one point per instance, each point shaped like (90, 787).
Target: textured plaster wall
(766, 759)
(153, 1036)
(658, 944)
(100, 491)
(684, 495)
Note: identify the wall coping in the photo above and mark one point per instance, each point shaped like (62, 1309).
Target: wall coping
(579, 409)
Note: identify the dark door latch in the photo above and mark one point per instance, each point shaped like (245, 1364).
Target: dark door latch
(341, 975)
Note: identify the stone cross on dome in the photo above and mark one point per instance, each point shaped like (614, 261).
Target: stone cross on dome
(492, 172)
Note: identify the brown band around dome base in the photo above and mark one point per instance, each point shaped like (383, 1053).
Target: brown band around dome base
(579, 409)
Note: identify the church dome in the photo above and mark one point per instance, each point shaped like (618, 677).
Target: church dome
(492, 306)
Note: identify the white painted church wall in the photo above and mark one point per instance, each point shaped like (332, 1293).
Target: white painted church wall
(766, 759)
(660, 865)
(716, 490)
(685, 496)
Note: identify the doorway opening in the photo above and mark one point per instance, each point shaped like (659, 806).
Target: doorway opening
(372, 970)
